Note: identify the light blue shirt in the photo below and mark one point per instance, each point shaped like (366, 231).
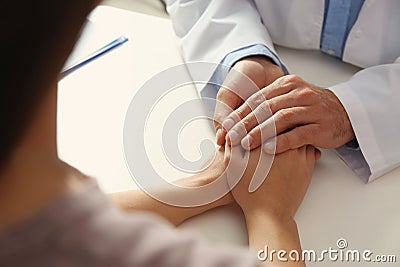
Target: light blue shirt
(340, 17)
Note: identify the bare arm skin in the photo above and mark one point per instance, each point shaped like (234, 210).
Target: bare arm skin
(137, 200)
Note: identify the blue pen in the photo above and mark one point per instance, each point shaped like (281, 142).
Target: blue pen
(107, 48)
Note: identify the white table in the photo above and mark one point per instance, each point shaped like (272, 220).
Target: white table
(92, 106)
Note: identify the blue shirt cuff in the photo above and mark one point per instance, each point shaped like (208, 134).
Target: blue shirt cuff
(253, 50)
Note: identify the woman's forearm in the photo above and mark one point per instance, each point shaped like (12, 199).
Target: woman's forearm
(275, 239)
(137, 200)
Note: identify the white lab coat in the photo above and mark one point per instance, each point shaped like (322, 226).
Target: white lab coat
(211, 29)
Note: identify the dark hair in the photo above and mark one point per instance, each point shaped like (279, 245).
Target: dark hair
(37, 37)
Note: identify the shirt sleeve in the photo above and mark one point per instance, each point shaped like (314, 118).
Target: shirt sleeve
(352, 155)
(229, 60)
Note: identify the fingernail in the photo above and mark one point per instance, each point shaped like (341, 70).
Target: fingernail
(228, 124)
(269, 147)
(247, 141)
(233, 136)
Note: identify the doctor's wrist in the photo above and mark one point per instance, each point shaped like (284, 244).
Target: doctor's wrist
(261, 69)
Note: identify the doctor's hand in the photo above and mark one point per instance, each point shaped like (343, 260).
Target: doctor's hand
(246, 77)
(303, 114)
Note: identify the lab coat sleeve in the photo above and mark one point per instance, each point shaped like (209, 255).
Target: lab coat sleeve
(209, 30)
(372, 101)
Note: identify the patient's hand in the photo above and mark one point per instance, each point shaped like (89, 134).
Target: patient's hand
(176, 214)
(215, 169)
(285, 186)
(269, 211)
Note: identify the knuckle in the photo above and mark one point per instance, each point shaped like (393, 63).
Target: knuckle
(240, 113)
(255, 100)
(256, 132)
(240, 128)
(293, 78)
(265, 108)
(286, 115)
(307, 94)
(289, 82)
(247, 123)
(257, 136)
(252, 122)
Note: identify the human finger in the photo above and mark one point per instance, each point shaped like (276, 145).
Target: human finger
(241, 83)
(256, 100)
(227, 101)
(280, 122)
(256, 117)
(292, 139)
